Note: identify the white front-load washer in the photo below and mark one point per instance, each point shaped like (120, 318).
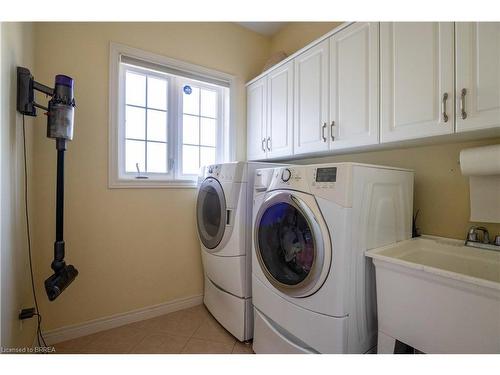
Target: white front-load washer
(313, 289)
(223, 217)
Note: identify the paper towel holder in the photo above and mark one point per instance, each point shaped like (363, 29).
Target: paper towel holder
(482, 166)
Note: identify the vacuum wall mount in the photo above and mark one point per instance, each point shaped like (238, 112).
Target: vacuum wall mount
(60, 118)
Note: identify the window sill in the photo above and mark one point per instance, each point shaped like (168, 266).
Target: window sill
(152, 184)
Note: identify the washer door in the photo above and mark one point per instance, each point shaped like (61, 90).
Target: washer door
(292, 243)
(211, 213)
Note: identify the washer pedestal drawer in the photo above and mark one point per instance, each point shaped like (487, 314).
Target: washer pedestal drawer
(270, 339)
(308, 329)
(233, 313)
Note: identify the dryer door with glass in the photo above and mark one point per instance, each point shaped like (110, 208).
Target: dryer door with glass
(211, 214)
(292, 243)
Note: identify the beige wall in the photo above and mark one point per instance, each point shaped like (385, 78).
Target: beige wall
(132, 247)
(296, 35)
(16, 45)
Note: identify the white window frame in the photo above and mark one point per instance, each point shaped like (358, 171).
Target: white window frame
(219, 151)
(117, 178)
(122, 174)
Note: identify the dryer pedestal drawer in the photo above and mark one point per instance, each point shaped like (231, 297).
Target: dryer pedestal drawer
(233, 313)
(229, 273)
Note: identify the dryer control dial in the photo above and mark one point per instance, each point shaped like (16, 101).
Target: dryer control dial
(286, 174)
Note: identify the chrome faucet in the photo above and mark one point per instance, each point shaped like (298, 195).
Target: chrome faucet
(473, 239)
(472, 235)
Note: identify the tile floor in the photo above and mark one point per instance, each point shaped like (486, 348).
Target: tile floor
(192, 331)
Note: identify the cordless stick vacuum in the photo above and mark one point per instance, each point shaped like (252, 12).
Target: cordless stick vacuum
(60, 116)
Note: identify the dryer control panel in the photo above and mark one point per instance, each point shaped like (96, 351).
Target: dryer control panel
(213, 170)
(230, 172)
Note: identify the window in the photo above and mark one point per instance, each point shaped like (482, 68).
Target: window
(146, 125)
(200, 120)
(167, 119)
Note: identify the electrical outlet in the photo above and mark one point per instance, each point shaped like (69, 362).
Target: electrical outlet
(24, 314)
(21, 321)
(28, 313)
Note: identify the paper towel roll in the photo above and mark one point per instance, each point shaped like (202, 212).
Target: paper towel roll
(480, 161)
(482, 165)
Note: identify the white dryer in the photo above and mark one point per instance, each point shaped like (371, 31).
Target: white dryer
(313, 289)
(223, 217)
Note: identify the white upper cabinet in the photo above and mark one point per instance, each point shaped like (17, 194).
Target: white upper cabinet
(417, 76)
(368, 83)
(354, 86)
(279, 140)
(478, 75)
(256, 119)
(311, 100)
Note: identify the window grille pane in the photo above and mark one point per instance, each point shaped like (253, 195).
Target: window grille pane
(190, 130)
(207, 156)
(191, 102)
(135, 119)
(208, 132)
(157, 93)
(157, 125)
(135, 89)
(208, 103)
(157, 157)
(190, 159)
(134, 153)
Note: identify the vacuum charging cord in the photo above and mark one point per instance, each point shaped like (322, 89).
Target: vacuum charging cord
(28, 233)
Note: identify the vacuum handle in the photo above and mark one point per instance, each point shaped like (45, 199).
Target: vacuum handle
(58, 262)
(60, 196)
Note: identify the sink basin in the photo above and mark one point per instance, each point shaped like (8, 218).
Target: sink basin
(438, 296)
(436, 254)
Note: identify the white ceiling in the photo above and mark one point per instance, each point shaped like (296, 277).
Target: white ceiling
(264, 28)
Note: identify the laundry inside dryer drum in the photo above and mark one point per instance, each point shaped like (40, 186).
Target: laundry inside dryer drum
(286, 243)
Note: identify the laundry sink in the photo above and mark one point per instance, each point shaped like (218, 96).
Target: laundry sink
(438, 296)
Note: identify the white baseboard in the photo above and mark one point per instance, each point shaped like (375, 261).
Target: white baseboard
(117, 320)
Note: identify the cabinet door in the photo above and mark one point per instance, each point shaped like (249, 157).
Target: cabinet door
(354, 86)
(478, 73)
(311, 100)
(280, 111)
(256, 119)
(416, 62)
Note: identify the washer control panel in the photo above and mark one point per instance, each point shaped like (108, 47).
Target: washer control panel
(327, 181)
(324, 177)
(285, 175)
(328, 174)
(289, 177)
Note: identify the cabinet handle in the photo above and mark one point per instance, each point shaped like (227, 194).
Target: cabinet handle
(268, 143)
(263, 144)
(323, 128)
(443, 107)
(463, 114)
(332, 130)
